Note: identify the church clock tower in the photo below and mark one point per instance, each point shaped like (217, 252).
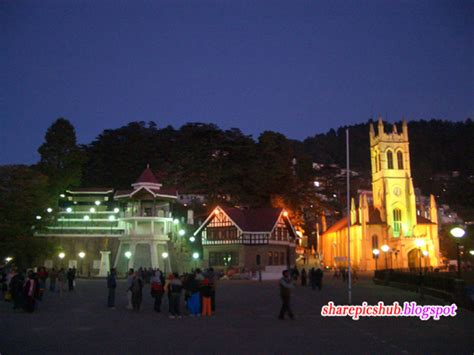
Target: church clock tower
(392, 186)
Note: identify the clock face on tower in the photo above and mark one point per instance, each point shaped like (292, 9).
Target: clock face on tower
(397, 191)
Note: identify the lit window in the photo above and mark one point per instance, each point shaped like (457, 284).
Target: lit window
(397, 222)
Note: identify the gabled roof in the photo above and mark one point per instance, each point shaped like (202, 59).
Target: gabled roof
(165, 193)
(147, 176)
(90, 190)
(252, 220)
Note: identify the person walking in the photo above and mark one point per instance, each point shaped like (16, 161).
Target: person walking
(111, 286)
(70, 279)
(157, 290)
(137, 291)
(130, 276)
(304, 278)
(61, 281)
(30, 292)
(16, 289)
(211, 276)
(53, 276)
(194, 302)
(319, 278)
(286, 284)
(175, 288)
(206, 292)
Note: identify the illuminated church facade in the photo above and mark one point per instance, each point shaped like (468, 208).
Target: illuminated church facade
(386, 221)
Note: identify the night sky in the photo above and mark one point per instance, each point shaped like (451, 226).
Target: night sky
(297, 67)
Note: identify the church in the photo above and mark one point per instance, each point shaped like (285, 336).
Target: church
(387, 230)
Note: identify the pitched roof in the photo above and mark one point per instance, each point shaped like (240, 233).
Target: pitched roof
(342, 223)
(422, 220)
(147, 176)
(90, 190)
(254, 220)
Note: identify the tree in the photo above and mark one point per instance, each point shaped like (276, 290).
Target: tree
(61, 158)
(23, 196)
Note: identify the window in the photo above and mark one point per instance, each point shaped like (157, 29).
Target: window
(270, 258)
(400, 160)
(223, 258)
(389, 160)
(397, 222)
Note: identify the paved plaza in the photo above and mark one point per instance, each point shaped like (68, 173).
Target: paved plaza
(245, 322)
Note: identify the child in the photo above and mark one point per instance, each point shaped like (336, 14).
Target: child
(206, 291)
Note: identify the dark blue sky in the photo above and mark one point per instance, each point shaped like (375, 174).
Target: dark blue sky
(298, 67)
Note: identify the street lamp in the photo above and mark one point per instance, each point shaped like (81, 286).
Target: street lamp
(458, 233)
(181, 232)
(82, 255)
(128, 254)
(385, 248)
(97, 203)
(49, 210)
(425, 254)
(165, 256)
(192, 239)
(376, 253)
(8, 259)
(61, 256)
(195, 257)
(471, 252)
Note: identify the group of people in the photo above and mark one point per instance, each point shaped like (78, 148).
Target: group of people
(313, 278)
(199, 291)
(343, 274)
(24, 288)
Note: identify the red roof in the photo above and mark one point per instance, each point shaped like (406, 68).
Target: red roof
(254, 220)
(147, 177)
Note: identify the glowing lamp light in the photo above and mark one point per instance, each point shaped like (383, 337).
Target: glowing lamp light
(457, 232)
(8, 259)
(111, 218)
(69, 210)
(86, 218)
(216, 211)
(97, 203)
(62, 195)
(82, 255)
(38, 217)
(376, 252)
(425, 253)
(181, 232)
(385, 248)
(419, 243)
(61, 255)
(49, 210)
(175, 221)
(164, 255)
(128, 254)
(471, 252)
(195, 255)
(192, 239)
(92, 210)
(116, 210)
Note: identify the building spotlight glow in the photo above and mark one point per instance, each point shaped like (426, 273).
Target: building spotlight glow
(164, 255)
(69, 210)
(62, 195)
(97, 203)
(116, 210)
(38, 217)
(86, 218)
(61, 255)
(425, 253)
(192, 239)
(285, 214)
(175, 221)
(376, 252)
(82, 255)
(419, 243)
(471, 252)
(49, 210)
(181, 232)
(92, 210)
(111, 218)
(8, 259)
(195, 255)
(385, 248)
(128, 254)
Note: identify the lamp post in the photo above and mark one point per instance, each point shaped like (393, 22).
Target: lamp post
(385, 248)
(458, 233)
(165, 256)
(376, 253)
(82, 255)
(61, 257)
(195, 257)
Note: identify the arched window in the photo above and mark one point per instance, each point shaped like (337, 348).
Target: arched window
(389, 160)
(400, 160)
(380, 161)
(376, 164)
(397, 222)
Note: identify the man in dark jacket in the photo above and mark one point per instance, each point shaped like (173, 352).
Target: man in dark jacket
(111, 285)
(286, 284)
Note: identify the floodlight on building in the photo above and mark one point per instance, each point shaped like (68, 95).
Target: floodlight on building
(128, 254)
(92, 210)
(164, 255)
(175, 221)
(471, 252)
(8, 259)
(419, 243)
(216, 211)
(285, 213)
(61, 255)
(38, 217)
(49, 210)
(376, 252)
(97, 203)
(182, 232)
(111, 218)
(62, 195)
(385, 248)
(192, 239)
(116, 210)
(69, 210)
(82, 255)
(195, 255)
(86, 218)
(425, 253)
